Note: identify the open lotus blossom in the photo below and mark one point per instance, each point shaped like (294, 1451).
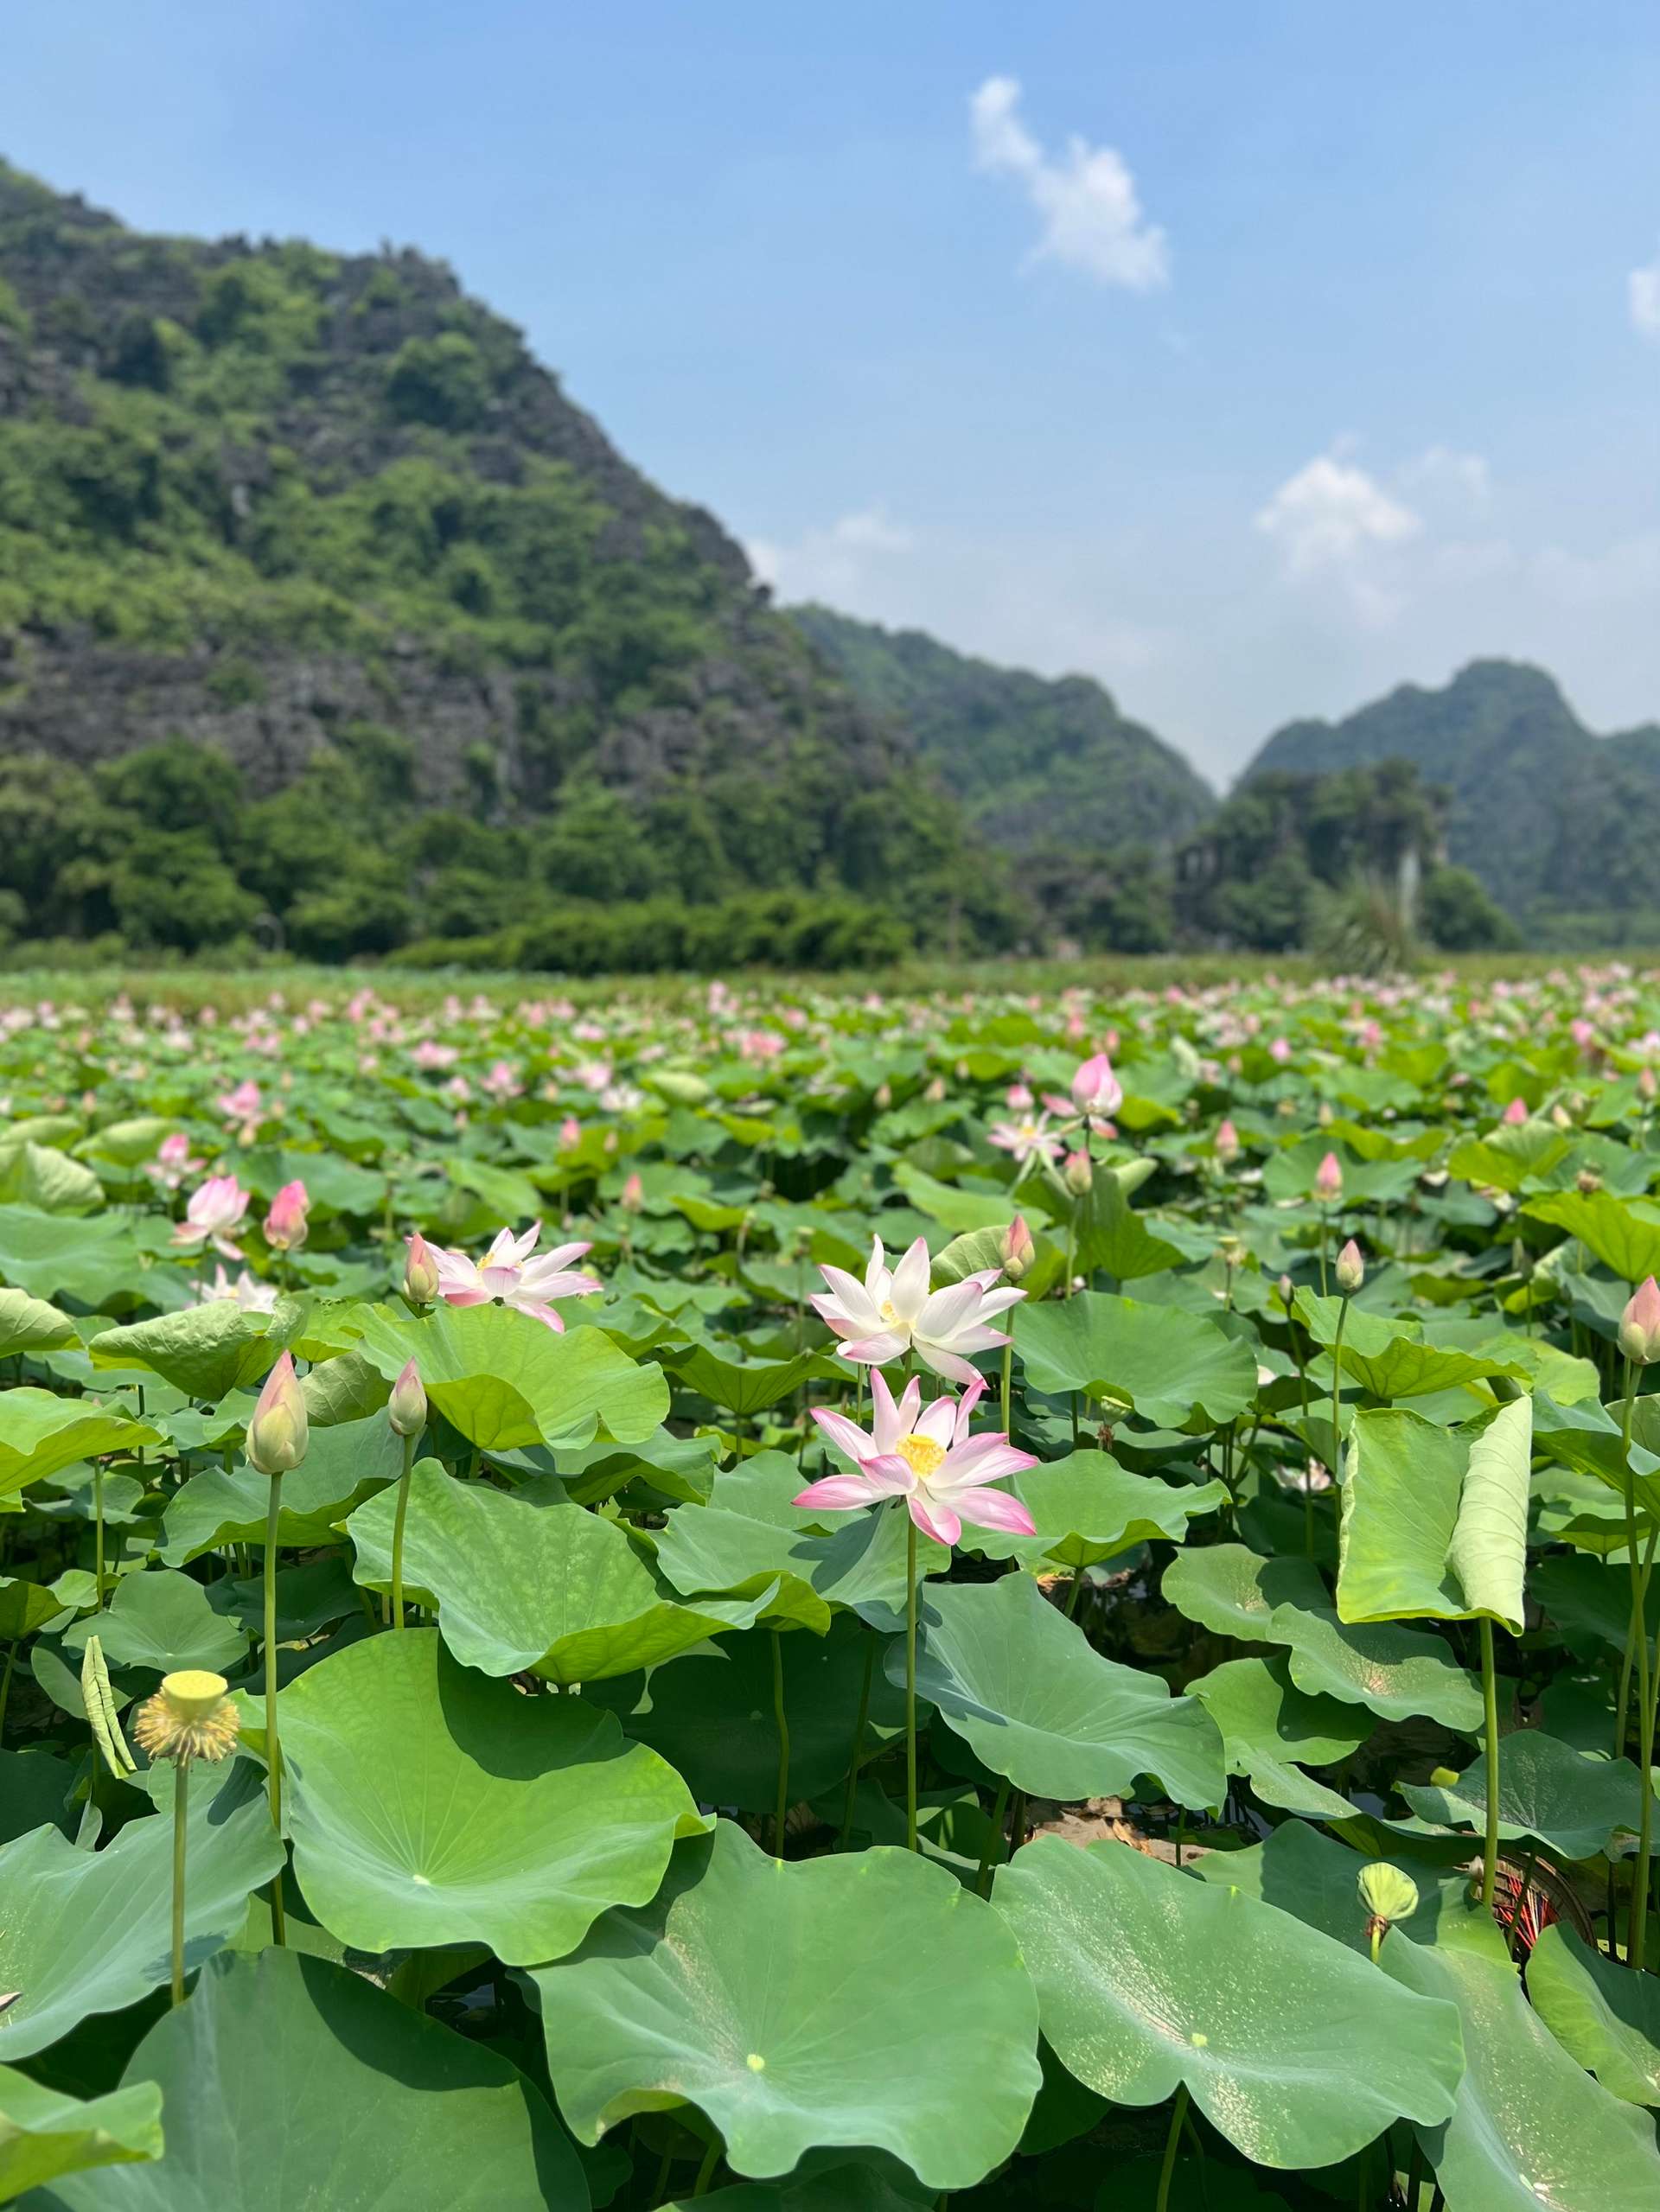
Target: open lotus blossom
(893, 1311)
(251, 1296)
(926, 1456)
(1028, 1139)
(216, 1210)
(508, 1271)
(172, 1162)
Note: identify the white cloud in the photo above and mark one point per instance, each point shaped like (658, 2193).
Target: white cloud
(833, 563)
(1330, 514)
(1092, 219)
(1440, 472)
(1643, 298)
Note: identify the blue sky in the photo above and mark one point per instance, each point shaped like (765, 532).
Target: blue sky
(1251, 358)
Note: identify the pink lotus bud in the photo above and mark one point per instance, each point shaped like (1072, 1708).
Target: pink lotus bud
(1646, 1084)
(1095, 1089)
(634, 1194)
(1516, 1111)
(1018, 1097)
(570, 1133)
(1077, 1173)
(1227, 1143)
(285, 1225)
(406, 1408)
(278, 1433)
(420, 1273)
(1328, 1180)
(1017, 1251)
(1639, 1325)
(1350, 1268)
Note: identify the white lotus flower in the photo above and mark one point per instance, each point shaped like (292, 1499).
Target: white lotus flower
(893, 1311)
(508, 1273)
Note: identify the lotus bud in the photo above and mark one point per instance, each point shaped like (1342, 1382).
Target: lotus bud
(285, 1224)
(1387, 1895)
(1230, 1250)
(1078, 1174)
(634, 1194)
(1016, 1251)
(420, 1273)
(1516, 1114)
(278, 1433)
(936, 1092)
(882, 1099)
(1639, 1325)
(1350, 1268)
(1647, 1083)
(570, 1133)
(1328, 1180)
(406, 1408)
(1587, 1182)
(1288, 1290)
(1560, 1118)
(1521, 1264)
(190, 1716)
(1227, 1143)
(1095, 1089)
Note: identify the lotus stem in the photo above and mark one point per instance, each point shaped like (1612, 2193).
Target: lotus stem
(1636, 1633)
(1490, 1703)
(1636, 1944)
(273, 1749)
(181, 1815)
(1173, 2143)
(398, 1535)
(993, 1838)
(6, 1684)
(910, 1683)
(1324, 1231)
(781, 1812)
(1337, 1394)
(97, 1521)
(1008, 1365)
(1071, 1252)
(859, 1744)
(707, 2170)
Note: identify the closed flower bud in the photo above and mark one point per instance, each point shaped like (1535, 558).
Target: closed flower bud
(420, 1273)
(1350, 1268)
(1288, 1290)
(285, 1224)
(1646, 1083)
(1639, 1325)
(1017, 1251)
(406, 1408)
(634, 1194)
(1227, 1143)
(1387, 1894)
(1328, 1180)
(1077, 1174)
(1095, 1089)
(278, 1433)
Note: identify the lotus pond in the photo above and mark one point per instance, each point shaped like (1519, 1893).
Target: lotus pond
(800, 1602)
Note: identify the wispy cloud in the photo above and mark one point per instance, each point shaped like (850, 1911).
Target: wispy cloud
(1091, 217)
(833, 563)
(1643, 299)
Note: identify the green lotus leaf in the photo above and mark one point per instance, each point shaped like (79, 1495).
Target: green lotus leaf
(526, 1580)
(24, 1607)
(818, 2185)
(1022, 1688)
(1147, 1979)
(1397, 1672)
(29, 1325)
(1271, 1731)
(35, 1789)
(205, 1350)
(1623, 1238)
(44, 2135)
(868, 2001)
(743, 1387)
(332, 1185)
(978, 1249)
(342, 1467)
(1527, 2127)
(1086, 1508)
(1586, 1437)
(1548, 1793)
(162, 1620)
(129, 1142)
(1390, 1359)
(38, 1175)
(431, 1805)
(1233, 1591)
(1169, 1366)
(293, 2086)
(1603, 2015)
(1434, 1524)
(40, 1433)
(1587, 1599)
(84, 1931)
(52, 1255)
(507, 1380)
(344, 1388)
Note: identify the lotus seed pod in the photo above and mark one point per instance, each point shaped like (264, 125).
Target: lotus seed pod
(1639, 1325)
(420, 1273)
(190, 1716)
(1387, 1893)
(407, 1409)
(1350, 1270)
(278, 1433)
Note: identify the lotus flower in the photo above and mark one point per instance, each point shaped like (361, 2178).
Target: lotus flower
(249, 1296)
(173, 1161)
(1328, 1180)
(216, 1210)
(1095, 1090)
(893, 1311)
(279, 1430)
(927, 1458)
(420, 1272)
(1027, 1139)
(508, 1273)
(1639, 1325)
(285, 1225)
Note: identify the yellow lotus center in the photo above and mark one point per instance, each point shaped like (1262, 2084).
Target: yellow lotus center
(885, 1309)
(193, 1693)
(921, 1454)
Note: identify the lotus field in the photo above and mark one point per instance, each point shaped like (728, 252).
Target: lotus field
(798, 1602)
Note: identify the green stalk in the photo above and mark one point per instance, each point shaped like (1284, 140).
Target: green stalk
(707, 2170)
(1324, 1229)
(1071, 1250)
(273, 1749)
(1166, 2172)
(910, 1683)
(1636, 1633)
(1337, 1391)
(993, 1839)
(1008, 1363)
(180, 1802)
(781, 1810)
(1490, 1703)
(859, 1744)
(5, 1683)
(1635, 1942)
(98, 1515)
(398, 1535)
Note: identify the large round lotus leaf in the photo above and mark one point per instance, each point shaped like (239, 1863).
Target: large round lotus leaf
(40, 1433)
(749, 1535)
(1604, 2016)
(343, 1466)
(39, 1175)
(163, 1621)
(430, 1805)
(1271, 1731)
(205, 1350)
(710, 1713)
(1549, 1793)
(30, 1325)
(1390, 1359)
(24, 1607)
(1528, 2128)
(86, 1931)
(1147, 1979)
(505, 1380)
(743, 1387)
(868, 2000)
(290, 2085)
(45, 2134)
(827, 2183)
(529, 1580)
(1022, 1688)
(1233, 1591)
(1167, 1364)
(1589, 1601)
(90, 1261)
(1399, 1672)
(1087, 1508)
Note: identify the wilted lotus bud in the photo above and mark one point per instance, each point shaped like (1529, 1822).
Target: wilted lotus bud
(1387, 1895)
(1095, 1089)
(1078, 1174)
(190, 1716)
(1586, 1182)
(1639, 1325)
(1017, 1251)
(278, 1433)
(1227, 1143)
(1350, 1268)
(406, 1408)
(634, 1194)
(98, 1698)
(1328, 1180)
(1521, 1264)
(420, 1273)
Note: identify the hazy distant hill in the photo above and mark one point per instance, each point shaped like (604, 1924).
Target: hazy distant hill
(1034, 762)
(1557, 822)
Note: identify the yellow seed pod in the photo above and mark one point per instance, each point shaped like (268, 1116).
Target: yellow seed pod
(190, 1716)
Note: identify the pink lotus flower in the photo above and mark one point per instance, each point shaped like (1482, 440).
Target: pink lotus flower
(217, 1208)
(1028, 1139)
(502, 1082)
(893, 1311)
(1328, 1180)
(173, 1161)
(926, 1457)
(285, 1224)
(508, 1273)
(1095, 1089)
